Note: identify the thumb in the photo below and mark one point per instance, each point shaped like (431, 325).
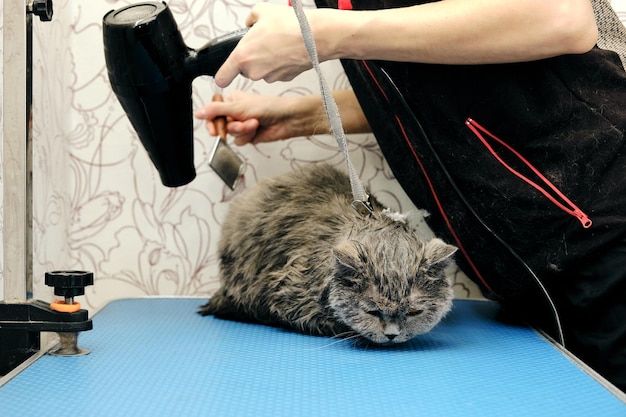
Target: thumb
(227, 72)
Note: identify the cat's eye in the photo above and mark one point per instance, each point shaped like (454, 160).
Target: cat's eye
(414, 312)
(375, 313)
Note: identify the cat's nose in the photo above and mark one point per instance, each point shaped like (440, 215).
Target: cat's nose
(391, 331)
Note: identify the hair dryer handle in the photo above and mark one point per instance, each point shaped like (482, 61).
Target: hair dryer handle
(210, 57)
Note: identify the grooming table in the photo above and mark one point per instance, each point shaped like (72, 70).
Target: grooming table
(157, 357)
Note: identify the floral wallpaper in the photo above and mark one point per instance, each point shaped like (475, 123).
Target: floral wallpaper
(99, 204)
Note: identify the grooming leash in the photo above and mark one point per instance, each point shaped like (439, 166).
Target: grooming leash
(361, 201)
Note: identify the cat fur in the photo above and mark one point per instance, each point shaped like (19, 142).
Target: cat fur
(295, 254)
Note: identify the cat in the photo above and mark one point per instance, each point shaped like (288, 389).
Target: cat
(295, 254)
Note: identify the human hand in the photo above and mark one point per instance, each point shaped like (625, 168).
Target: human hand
(252, 118)
(272, 50)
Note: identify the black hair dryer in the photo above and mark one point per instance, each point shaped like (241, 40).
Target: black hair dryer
(151, 70)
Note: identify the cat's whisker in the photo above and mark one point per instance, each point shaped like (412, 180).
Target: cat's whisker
(349, 336)
(352, 337)
(340, 338)
(332, 343)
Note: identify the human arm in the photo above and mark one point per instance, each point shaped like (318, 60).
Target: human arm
(444, 32)
(252, 118)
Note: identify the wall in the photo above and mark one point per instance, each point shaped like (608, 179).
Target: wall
(620, 8)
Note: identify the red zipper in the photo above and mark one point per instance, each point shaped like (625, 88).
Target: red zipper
(558, 199)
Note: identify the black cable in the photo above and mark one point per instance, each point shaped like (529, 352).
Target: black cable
(543, 289)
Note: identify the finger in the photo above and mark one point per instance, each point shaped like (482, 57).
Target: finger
(207, 112)
(243, 139)
(228, 71)
(211, 113)
(200, 113)
(210, 126)
(244, 127)
(252, 17)
(212, 110)
(243, 132)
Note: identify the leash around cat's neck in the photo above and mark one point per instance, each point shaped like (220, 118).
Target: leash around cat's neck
(361, 201)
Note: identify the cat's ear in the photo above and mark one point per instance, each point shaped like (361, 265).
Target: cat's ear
(348, 261)
(437, 252)
(347, 254)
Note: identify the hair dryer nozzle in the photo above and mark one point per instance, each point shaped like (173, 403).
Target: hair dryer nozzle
(151, 70)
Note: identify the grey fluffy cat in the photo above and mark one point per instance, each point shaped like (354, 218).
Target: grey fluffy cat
(293, 253)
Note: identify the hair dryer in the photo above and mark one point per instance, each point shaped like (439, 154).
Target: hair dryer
(151, 70)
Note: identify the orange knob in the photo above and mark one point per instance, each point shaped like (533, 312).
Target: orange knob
(60, 306)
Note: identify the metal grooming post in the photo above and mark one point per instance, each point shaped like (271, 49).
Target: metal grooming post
(17, 144)
(15, 170)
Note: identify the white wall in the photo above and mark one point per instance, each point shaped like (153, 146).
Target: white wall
(620, 8)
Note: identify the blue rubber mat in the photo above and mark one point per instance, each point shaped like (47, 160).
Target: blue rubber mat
(156, 357)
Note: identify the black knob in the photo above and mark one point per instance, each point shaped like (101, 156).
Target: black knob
(41, 8)
(69, 283)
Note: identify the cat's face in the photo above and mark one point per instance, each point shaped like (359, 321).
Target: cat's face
(389, 293)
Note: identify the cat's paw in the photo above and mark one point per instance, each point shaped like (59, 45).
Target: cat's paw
(207, 309)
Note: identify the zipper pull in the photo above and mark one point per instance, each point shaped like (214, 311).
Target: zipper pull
(565, 204)
(583, 218)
